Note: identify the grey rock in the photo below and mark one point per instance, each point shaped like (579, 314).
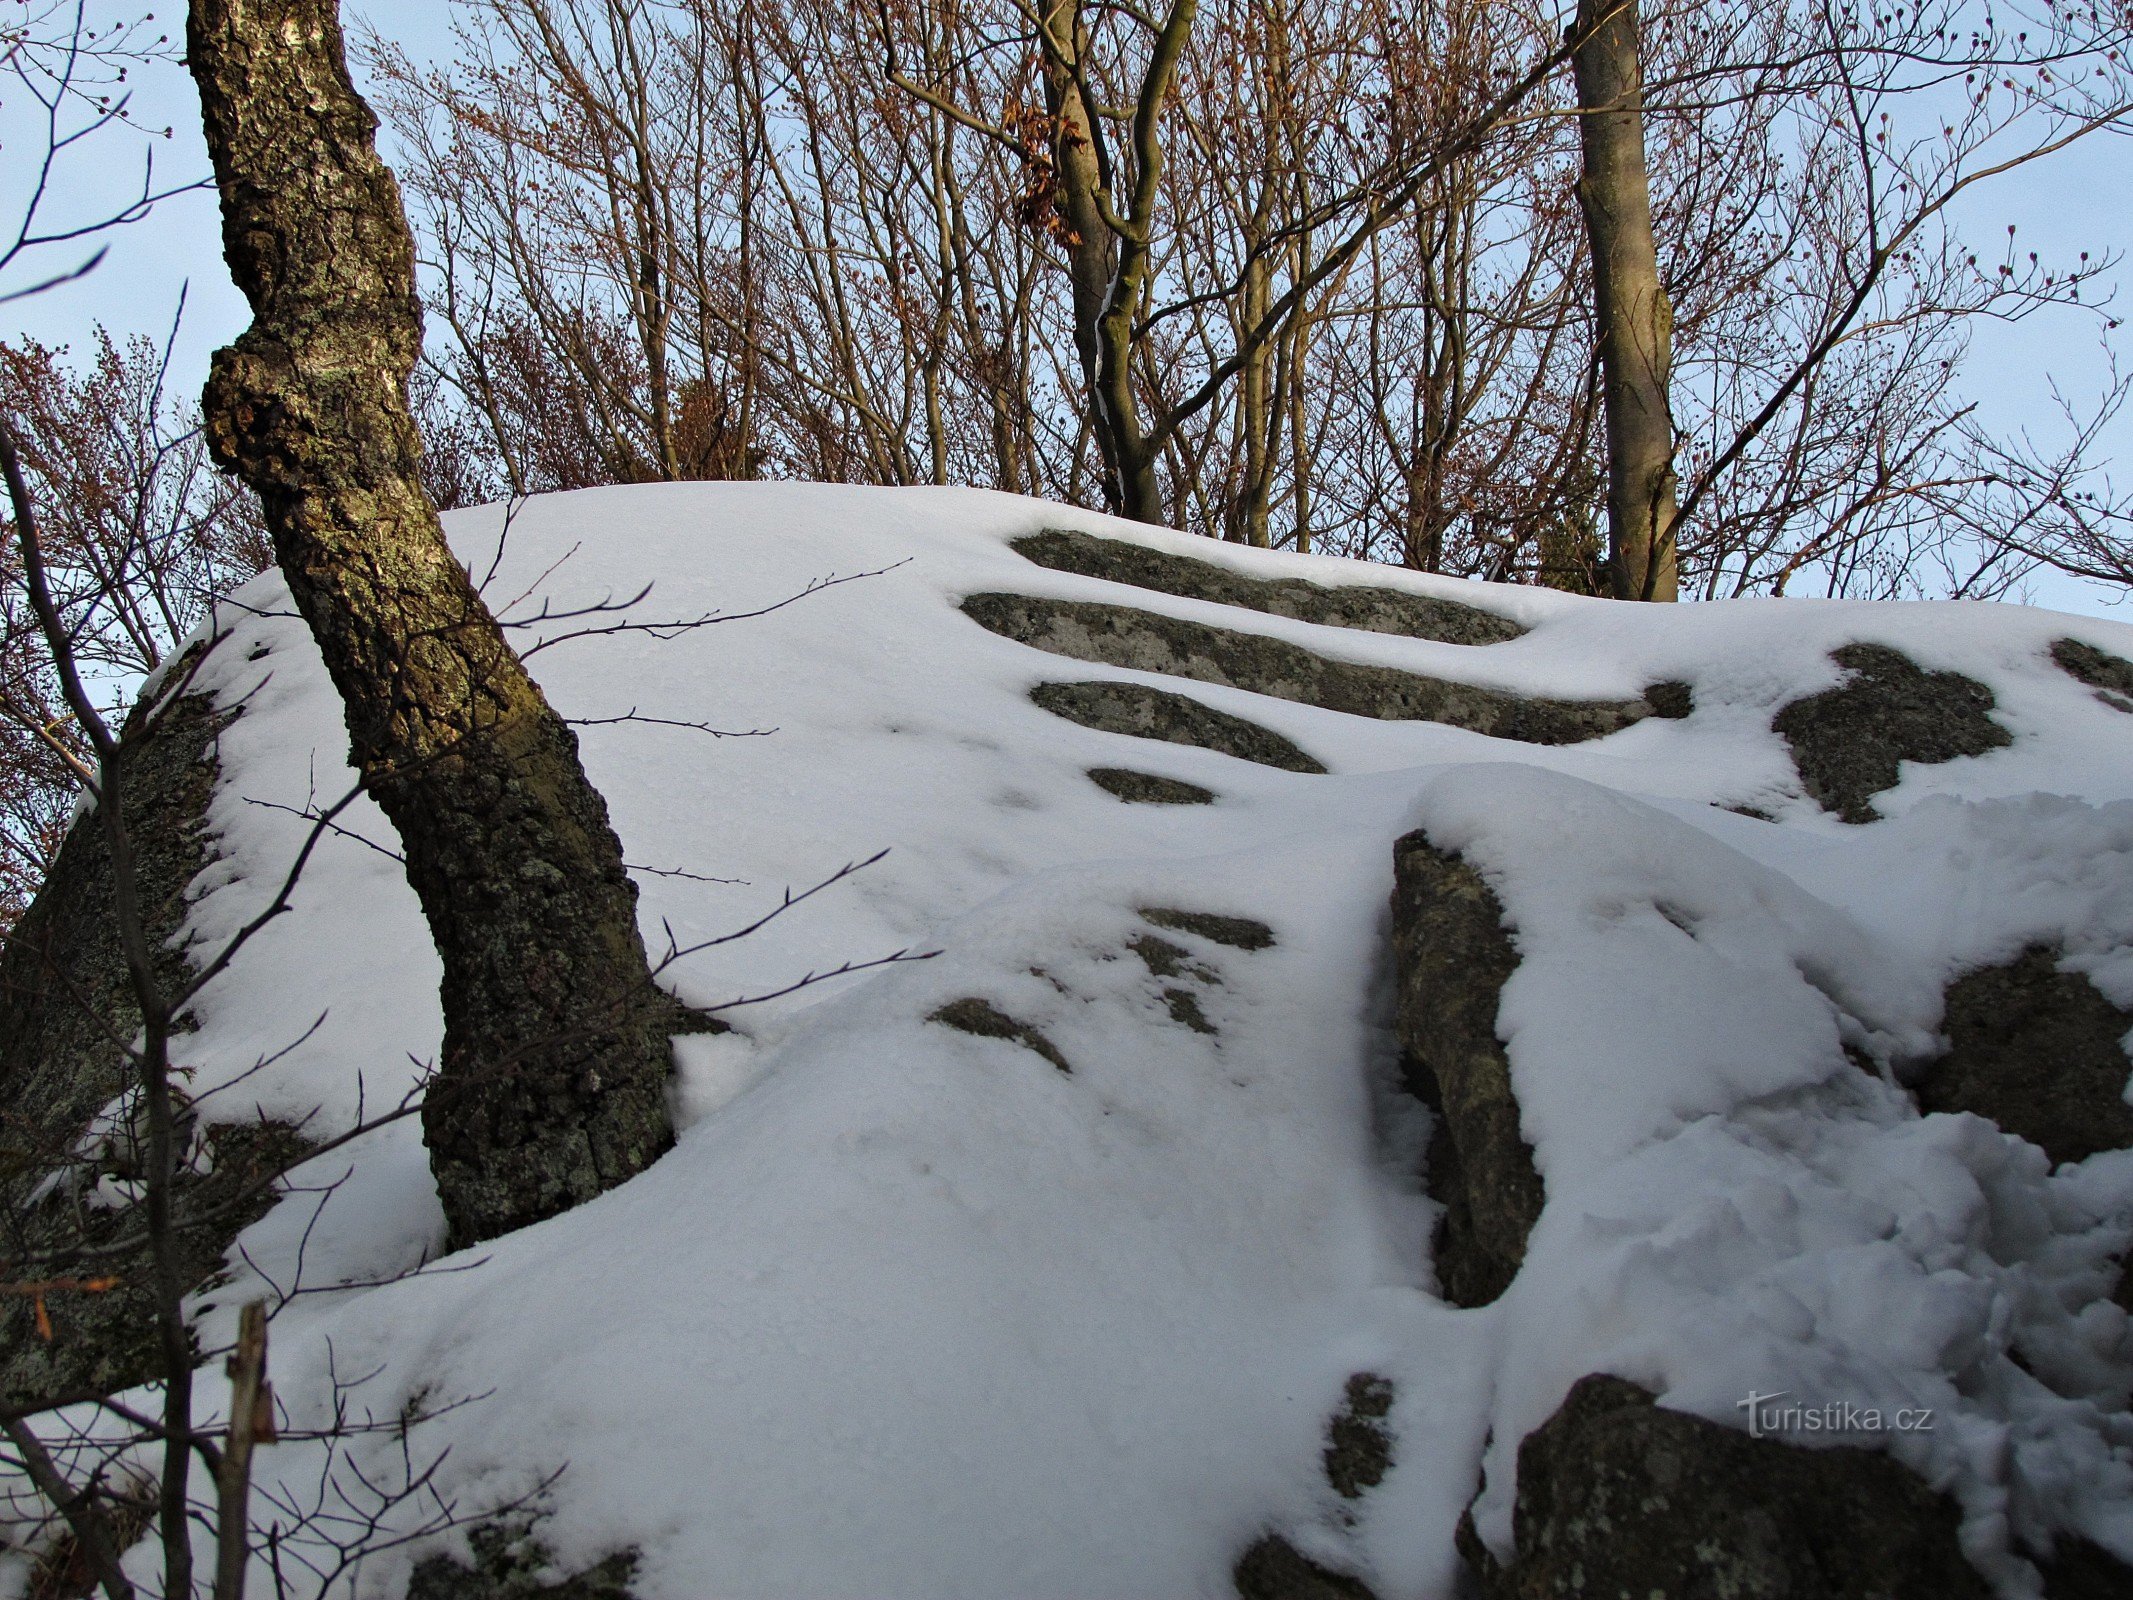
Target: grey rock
(988, 1021)
(1239, 933)
(1452, 956)
(1121, 636)
(65, 997)
(1148, 788)
(2110, 676)
(1375, 609)
(2037, 1051)
(1619, 1499)
(1146, 713)
(1849, 742)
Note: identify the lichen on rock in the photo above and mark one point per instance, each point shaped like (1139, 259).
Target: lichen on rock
(2037, 1051)
(1620, 1497)
(1149, 788)
(1146, 641)
(981, 1017)
(1143, 712)
(2110, 676)
(1849, 743)
(1373, 608)
(1453, 956)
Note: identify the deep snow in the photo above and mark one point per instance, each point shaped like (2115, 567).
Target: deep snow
(911, 1313)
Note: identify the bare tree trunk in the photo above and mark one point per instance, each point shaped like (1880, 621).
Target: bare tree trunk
(1636, 323)
(556, 1051)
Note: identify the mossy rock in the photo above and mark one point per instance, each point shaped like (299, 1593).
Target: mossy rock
(1142, 712)
(1143, 641)
(1620, 1497)
(2037, 1051)
(1375, 609)
(1453, 954)
(1849, 743)
(1148, 788)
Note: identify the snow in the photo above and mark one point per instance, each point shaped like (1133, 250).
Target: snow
(909, 1312)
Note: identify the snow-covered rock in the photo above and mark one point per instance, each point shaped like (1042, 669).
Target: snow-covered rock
(914, 1309)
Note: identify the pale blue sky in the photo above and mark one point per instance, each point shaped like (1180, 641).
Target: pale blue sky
(2083, 200)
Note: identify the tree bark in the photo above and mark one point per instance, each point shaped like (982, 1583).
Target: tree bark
(551, 1084)
(1636, 322)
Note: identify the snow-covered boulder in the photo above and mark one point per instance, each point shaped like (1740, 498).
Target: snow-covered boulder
(1095, 1253)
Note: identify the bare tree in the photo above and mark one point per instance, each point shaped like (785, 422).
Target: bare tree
(140, 535)
(1636, 321)
(552, 1022)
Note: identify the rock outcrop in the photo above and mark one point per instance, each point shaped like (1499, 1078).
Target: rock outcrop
(1142, 712)
(1618, 1497)
(2110, 676)
(1274, 1569)
(1149, 788)
(1453, 956)
(68, 1002)
(1849, 743)
(1146, 641)
(1379, 610)
(2037, 1051)
(64, 988)
(510, 1563)
(987, 1021)
(1358, 1450)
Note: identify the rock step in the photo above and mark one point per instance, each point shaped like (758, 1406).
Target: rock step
(1143, 641)
(1375, 610)
(1142, 712)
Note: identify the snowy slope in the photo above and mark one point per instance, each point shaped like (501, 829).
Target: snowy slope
(912, 1313)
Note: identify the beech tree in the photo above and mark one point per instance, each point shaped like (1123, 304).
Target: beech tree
(551, 1083)
(1634, 318)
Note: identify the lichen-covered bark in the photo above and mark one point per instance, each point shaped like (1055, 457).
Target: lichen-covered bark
(550, 1087)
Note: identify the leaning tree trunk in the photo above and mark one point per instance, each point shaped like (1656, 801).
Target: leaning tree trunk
(556, 1051)
(1636, 324)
